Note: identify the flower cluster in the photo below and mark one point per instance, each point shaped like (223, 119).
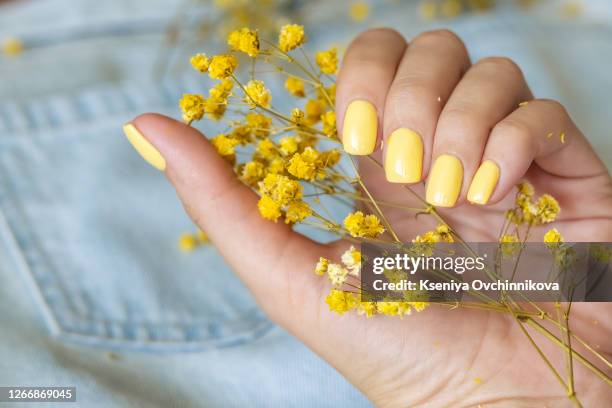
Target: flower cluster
(342, 301)
(528, 210)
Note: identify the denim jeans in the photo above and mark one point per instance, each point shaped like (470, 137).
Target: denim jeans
(95, 293)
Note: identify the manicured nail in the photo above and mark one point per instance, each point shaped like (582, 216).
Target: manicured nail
(360, 128)
(142, 146)
(484, 183)
(444, 182)
(404, 156)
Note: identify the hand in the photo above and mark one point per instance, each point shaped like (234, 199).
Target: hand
(437, 357)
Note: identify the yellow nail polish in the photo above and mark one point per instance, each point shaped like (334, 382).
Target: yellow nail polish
(444, 181)
(360, 128)
(404, 156)
(484, 183)
(142, 146)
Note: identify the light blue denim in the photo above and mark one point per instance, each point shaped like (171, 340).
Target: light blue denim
(94, 292)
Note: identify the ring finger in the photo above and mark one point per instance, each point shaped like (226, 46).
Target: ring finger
(488, 92)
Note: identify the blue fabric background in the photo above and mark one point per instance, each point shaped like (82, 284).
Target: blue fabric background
(88, 230)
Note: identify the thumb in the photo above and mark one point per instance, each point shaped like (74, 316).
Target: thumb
(273, 261)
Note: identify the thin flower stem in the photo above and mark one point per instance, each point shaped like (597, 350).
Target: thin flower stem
(540, 352)
(382, 215)
(579, 357)
(581, 341)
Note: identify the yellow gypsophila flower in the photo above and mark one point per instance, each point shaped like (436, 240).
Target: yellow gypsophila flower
(257, 94)
(216, 104)
(192, 106)
(525, 189)
(329, 124)
(187, 242)
(259, 124)
(12, 46)
(267, 149)
(295, 86)
(451, 8)
(359, 11)
(313, 109)
(297, 116)
(351, 258)
(225, 145)
(200, 62)
(244, 40)
(291, 36)
(329, 158)
(202, 237)
(366, 226)
(337, 274)
(269, 208)
(281, 188)
(252, 173)
(548, 208)
(366, 308)
(305, 165)
(297, 211)
(327, 60)
(428, 9)
(288, 144)
(553, 236)
(509, 244)
(321, 267)
(222, 66)
(341, 302)
(323, 93)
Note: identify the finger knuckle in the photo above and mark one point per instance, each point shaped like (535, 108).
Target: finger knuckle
(554, 106)
(518, 132)
(500, 64)
(374, 36)
(463, 116)
(441, 35)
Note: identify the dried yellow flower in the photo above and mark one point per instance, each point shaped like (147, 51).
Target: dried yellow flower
(341, 302)
(365, 226)
(252, 173)
(297, 211)
(257, 94)
(259, 124)
(192, 106)
(281, 189)
(12, 46)
(244, 40)
(200, 62)
(359, 11)
(295, 86)
(321, 267)
(291, 36)
(269, 208)
(225, 145)
(222, 66)
(288, 144)
(329, 124)
(217, 101)
(547, 209)
(553, 236)
(187, 242)
(327, 60)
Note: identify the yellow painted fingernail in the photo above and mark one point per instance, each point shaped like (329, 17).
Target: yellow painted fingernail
(484, 183)
(360, 128)
(142, 146)
(444, 181)
(404, 156)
